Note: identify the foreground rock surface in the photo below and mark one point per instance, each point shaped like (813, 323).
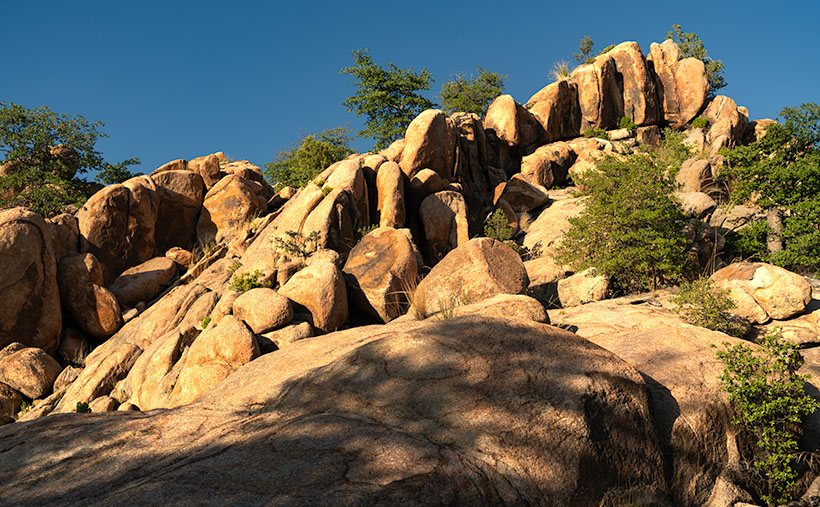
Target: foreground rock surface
(470, 411)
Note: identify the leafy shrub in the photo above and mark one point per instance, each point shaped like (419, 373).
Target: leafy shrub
(702, 304)
(599, 133)
(205, 322)
(247, 281)
(473, 94)
(326, 190)
(300, 163)
(627, 123)
(672, 152)
(700, 122)
(363, 231)
(782, 171)
(82, 408)
(497, 227)
(771, 403)
(25, 406)
(631, 226)
(297, 244)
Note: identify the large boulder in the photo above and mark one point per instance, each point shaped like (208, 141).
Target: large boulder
(263, 309)
(546, 232)
(143, 282)
(583, 287)
(476, 270)
(640, 96)
(522, 195)
(29, 298)
(599, 98)
(763, 291)
(390, 189)
(180, 200)
(214, 354)
(727, 123)
(444, 218)
(228, 206)
(65, 233)
(30, 371)
(10, 402)
(320, 289)
(556, 108)
(682, 83)
(513, 124)
(548, 165)
(94, 308)
(473, 169)
(691, 411)
(695, 175)
(349, 175)
(469, 411)
(117, 225)
(378, 271)
(429, 144)
(334, 220)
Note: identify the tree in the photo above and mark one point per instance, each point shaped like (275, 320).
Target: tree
(782, 171)
(691, 46)
(387, 98)
(631, 225)
(300, 163)
(473, 94)
(43, 151)
(584, 50)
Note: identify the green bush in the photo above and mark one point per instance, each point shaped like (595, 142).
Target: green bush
(326, 190)
(672, 152)
(770, 402)
(702, 304)
(630, 227)
(627, 123)
(473, 94)
(82, 408)
(300, 163)
(205, 322)
(782, 171)
(297, 244)
(497, 227)
(247, 281)
(599, 133)
(700, 122)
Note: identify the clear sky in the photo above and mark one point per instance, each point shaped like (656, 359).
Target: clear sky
(179, 79)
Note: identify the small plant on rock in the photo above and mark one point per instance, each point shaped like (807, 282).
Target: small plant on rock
(702, 304)
(205, 322)
(599, 133)
(771, 403)
(82, 408)
(560, 71)
(627, 123)
(497, 227)
(326, 191)
(246, 281)
(297, 244)
(700, 122)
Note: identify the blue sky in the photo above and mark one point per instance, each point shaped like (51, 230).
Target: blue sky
(179, 79)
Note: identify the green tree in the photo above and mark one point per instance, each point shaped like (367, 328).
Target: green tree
(782, 171)
(473, 94)
(631, 225)
(389, 98)
(691, 46)
(43, 151)
(771, 403)
(299, 164)
(584, 50)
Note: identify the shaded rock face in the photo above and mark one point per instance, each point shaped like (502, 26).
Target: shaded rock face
(378, 270)
(444, 218)
(472, 161)
(479, 269)
(691, 411)
(556, 108)
(479, 411)
(180, 199)
(94, 308)
(29, 298)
